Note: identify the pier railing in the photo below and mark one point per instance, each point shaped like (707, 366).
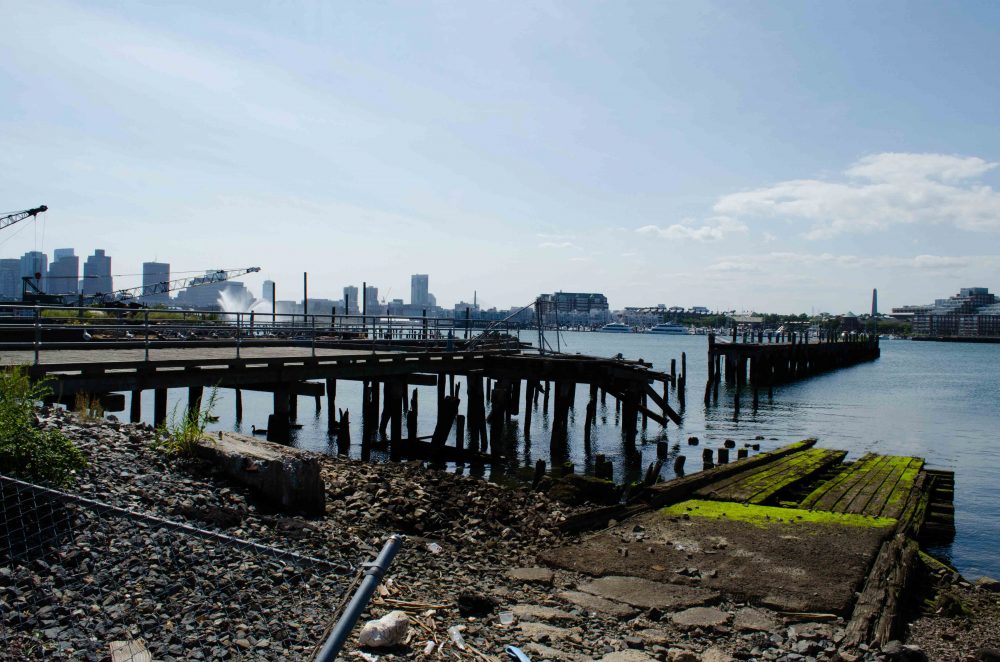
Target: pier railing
(37, 328)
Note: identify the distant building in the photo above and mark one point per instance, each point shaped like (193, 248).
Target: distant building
(34, 265)
(351, 300)
(575, 307)
(268, 293)
(972, 313)
(372, 306)
(418, 290)
(64, 272)
(155, 274)
(97, 274)
(10, 279)
(699, 310)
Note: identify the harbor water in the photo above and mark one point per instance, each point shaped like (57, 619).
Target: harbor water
(938, 401)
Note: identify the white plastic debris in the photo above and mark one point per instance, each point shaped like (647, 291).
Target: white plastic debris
(506, 618)
(434, 548)
(390, 630)
(429, 647)
(456, 636)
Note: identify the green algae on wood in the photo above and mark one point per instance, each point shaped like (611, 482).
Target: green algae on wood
(764, 516)
(757, 486)
(873, 485)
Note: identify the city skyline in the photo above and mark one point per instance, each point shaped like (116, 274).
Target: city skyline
(783, 156)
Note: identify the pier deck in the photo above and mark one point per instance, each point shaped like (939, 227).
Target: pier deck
(844, 536)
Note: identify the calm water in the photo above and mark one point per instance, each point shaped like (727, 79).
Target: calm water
(934, 400)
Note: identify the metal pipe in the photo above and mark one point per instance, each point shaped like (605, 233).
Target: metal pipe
(373, 575)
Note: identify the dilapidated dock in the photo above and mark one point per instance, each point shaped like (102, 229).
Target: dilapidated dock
(761, 360)
(795, 530)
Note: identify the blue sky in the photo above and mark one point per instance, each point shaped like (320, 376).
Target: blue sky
(784, 156)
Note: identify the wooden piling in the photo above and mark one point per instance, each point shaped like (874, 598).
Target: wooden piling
(394, 402)
(723, 456)
(331, 401)
(194, 400)
(529, 395)
(411, 419)
(679, 465)
(159, 406)
(238, 397)
(135, 407)
(459, 432)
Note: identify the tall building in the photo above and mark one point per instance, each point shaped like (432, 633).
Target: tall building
(268, 290)
(64, 272)
(34, 265)
(418, 290)
(351, 300)
(972, 313)
(575, 307)
(97, 274)
(10, 279)
(153, 274)
(371, 300)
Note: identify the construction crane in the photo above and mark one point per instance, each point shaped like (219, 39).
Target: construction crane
(11, 219)
(129, 295)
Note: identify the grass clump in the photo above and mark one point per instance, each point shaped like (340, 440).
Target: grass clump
(88, 406)
(180, 435)
(25, 450)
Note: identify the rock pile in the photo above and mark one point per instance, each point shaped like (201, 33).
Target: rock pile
(467, 577)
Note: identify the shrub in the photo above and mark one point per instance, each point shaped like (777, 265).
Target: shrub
(179, 435)
(25, 450)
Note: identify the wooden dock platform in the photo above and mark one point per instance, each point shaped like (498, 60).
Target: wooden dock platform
(728, 530)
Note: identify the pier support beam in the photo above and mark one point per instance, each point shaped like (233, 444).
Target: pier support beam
(135, 407)
(159, 406)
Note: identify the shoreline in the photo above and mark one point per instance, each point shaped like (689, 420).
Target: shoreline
(465, 536)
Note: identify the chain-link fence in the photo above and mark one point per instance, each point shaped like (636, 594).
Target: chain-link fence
(84, 580)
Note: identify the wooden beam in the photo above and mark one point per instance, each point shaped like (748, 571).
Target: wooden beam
(667, 409)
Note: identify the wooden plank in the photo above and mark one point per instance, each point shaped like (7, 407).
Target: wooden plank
(757, 486)
(678, 489)
(827, 493)
(876, 494)
(129, 651)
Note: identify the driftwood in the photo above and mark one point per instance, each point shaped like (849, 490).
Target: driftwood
(877, 612)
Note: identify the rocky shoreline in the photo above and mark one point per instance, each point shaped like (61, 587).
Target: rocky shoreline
(470, 561)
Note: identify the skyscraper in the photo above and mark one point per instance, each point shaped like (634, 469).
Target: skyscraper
(268, 289)
(154, 273)
(351, 297)
(34, 265)
(64, 272)
(371, 300)
(10, 279)
(97, 274)
(418, 290)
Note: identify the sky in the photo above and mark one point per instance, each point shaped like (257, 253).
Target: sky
(780, 157)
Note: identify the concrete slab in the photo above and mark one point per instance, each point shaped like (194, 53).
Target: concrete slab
(648, 594)
(592, 603)
(542, 576)
(700, 617)
(541, 613)
(749, 619)
(783, 558)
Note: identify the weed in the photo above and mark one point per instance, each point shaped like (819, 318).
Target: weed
(181, 434)
(88, 406)
(25, 450)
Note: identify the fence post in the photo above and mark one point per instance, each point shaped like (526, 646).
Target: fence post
(314, 335)
(145, 324)
(239, 325)
(38, 332)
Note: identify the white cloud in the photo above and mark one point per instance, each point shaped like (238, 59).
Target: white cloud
(558, 244)
(713, 229)
(880, 191)
(775, 262)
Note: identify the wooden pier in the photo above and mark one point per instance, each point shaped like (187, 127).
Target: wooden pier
(500, 380)
(761, 360)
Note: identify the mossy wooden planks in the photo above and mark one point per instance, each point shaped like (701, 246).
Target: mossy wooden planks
(873, 485)
(756, 486)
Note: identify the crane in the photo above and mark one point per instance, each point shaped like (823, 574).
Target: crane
(129, 295)
(11, 219)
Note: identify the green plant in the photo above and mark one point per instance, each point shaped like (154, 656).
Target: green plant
(25, 450)
(180, 435)
(88, 406)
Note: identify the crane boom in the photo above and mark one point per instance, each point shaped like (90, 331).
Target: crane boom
(127, 295)
(11, 219)
(31, 293)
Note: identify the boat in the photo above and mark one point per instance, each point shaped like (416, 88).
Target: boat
(615, 327)
(669, 328)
